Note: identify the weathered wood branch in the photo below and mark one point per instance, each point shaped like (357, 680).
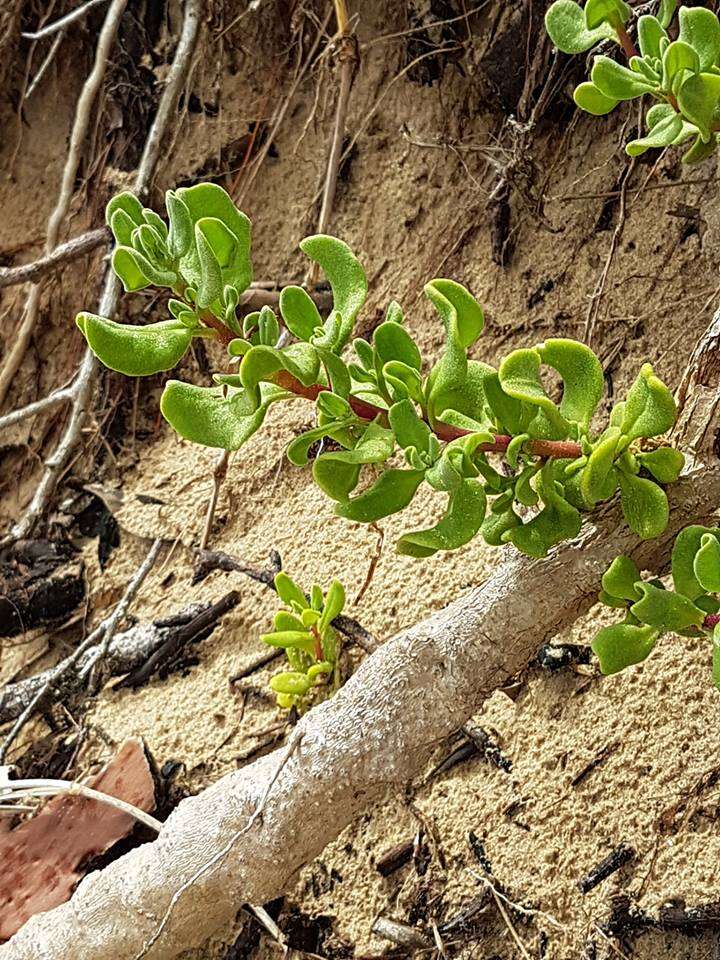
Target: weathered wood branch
(50, 262)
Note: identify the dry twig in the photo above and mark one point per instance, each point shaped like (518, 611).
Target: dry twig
(49, 262)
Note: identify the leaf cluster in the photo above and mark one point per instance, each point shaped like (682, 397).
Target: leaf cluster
(514, 464)
(651, 610)
(304, 630)
(682, 76)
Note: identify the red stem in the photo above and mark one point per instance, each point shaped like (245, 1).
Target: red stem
(627, 44)
(562, 449)
(711, 620)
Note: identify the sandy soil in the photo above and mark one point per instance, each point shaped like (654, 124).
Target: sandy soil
(412, 204)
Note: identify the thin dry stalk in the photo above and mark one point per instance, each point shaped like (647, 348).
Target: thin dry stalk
(50, 262)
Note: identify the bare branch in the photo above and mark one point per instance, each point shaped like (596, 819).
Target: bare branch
(63, 22)
(50, 262)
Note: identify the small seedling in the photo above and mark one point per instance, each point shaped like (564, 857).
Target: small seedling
(396, 421)
(681, 76)
(690, 608)
(304, 630)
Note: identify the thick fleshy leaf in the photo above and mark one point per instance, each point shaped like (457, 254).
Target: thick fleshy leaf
(664, 464)
(393, 342)
(123, 227)
(135, 351)
(698, 99)
(519, 375)
(716, 656)
(409, 429)
(403, 381)
(391, 492)
(210, 286)
(301, 360)
(334, 603)
(706, 564)
(299, 312)
(345, 276)
(591, 100)
(650, 408)
(463, 315)
(374, 446)
(687, 544)
(497, 523)
(129, 204)
(700, 29)
(616, 81)
(666, 610)
(595, 474)
(204, 415)
(678, 58)
(597, 12)
(210, 200)
(288, 591)
(666, 11)
(291, 682)
(582, 377)
(462, 521)
(180, 236)
(620, 578)
(700, 150)
(297, 639)
(299, 449)
(565, 23)
(650, 33)
(622, 645)
(557, 521)
(644, 505)
(662, 134)
(658, 112)
(136, 272)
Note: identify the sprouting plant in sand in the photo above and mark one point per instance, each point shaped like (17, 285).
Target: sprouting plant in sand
(304, 630)
(690, 608)
(681, 77)
(513, 464)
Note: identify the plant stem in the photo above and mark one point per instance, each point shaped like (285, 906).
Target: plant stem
(626, 41)
(711, 620)
(562, 449)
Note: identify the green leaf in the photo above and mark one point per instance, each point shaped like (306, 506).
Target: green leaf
(403, 381)
(706, 564)
(345, 276)
(613, 12)
(658, 112)
(662, 134)
(393, 342)
(291, 682)
(700, 150)
(301, 360)
(462, 521)
(616, 81)
(644, 505)
(299, 312)
(391, 492)
(122, 227)
(210, 287)
(180, 236)
(334, 603)
(129, 204)
(135, 351)
(650, 33)
(622, 645)
(678, 58)
(557, 521)
(687, 544)
(463, 315)
(665, 610)
(700, 29)
(620, 578)
(519, 375)
(136, 271)
(591, 100)
(204, 415)
(664, 464)
(698, 99)
(288, 591)
(599, 468)
(582, 377)
(409, 429)
(208, 200)
(498, 522)
(299, 449)
(649, 409)
(666, 12)
(565, 23)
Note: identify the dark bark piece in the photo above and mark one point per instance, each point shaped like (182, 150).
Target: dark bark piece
(616, 859)
(40, 582)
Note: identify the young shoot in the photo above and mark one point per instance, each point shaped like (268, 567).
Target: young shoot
(690, 608)
(304, 630)
(397, 420)
(681, 77)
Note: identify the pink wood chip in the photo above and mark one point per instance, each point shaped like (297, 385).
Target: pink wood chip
(42, 859)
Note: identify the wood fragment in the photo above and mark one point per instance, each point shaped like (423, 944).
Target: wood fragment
(401, 934)
(50, 262)
(617, 858)
(396, 857)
